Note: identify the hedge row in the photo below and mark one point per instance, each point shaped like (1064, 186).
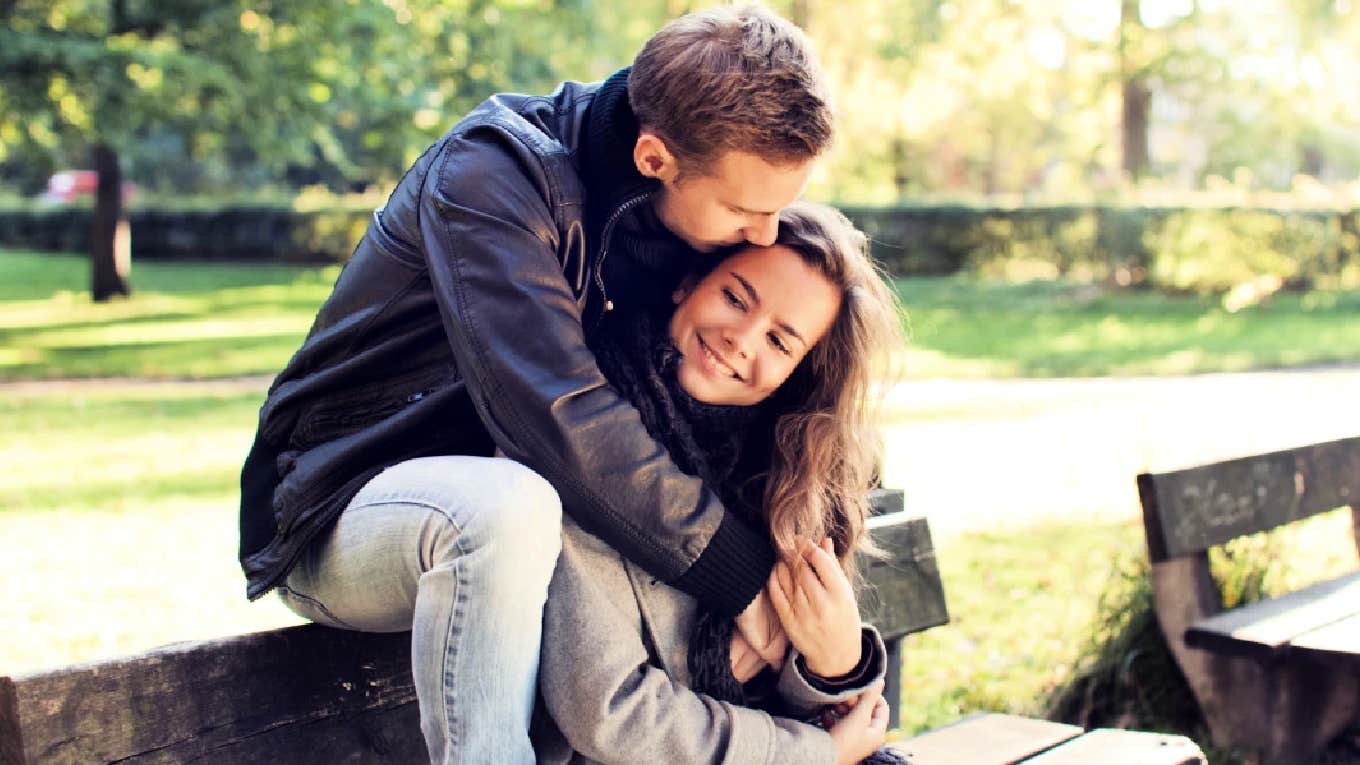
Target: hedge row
(1202, 249)
(235, 233)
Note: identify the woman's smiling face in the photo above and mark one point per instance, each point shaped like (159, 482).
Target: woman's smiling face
(744, 327)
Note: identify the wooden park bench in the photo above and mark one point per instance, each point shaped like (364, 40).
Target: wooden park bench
(311, 694)
(1280, 676)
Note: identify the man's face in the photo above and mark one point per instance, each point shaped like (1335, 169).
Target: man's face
(737, 201)
(743, 328)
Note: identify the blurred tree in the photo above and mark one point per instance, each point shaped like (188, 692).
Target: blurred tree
(339, 92)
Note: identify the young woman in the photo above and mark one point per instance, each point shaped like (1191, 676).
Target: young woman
(758, 381)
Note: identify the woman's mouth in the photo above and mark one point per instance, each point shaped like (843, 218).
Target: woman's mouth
(714, 361)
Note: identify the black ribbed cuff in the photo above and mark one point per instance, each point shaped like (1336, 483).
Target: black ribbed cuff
(731, 570)
(869, 664)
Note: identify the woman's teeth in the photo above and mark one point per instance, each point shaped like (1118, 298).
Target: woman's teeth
(717, 362)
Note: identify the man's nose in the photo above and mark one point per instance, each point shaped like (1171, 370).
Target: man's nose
(763, 232)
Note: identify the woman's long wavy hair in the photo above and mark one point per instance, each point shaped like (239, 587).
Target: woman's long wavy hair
(827, 447)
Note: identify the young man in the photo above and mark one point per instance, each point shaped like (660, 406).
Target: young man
(413, 458)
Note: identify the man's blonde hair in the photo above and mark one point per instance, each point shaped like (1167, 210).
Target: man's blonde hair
(732, 78)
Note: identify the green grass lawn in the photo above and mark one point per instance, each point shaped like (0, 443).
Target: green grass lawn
(183, 320)
(963, 327)
(204, 321)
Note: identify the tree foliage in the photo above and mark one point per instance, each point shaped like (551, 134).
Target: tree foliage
(935, 96)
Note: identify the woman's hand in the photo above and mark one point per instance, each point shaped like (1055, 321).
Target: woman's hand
(816, 605)
(746, 663)
(862, 731)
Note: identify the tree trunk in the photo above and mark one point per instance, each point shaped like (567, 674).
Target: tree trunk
(111, 243)
(1137, 98)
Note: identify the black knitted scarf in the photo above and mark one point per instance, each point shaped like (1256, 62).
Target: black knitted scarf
(726, 446)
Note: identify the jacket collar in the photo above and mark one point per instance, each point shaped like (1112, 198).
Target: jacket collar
(606, 156)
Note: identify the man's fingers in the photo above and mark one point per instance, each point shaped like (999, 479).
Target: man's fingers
(748, 666)
(779, 648)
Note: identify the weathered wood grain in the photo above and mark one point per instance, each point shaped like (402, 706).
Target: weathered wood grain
(186, 702)
(1256, 682)
(1186, 511)
(1339, 640)
(885, 501)
(1109, 746)
(985, 739)
(1266, 628)
(903, 592)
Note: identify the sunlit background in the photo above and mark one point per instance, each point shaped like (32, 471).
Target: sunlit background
(1126, 234)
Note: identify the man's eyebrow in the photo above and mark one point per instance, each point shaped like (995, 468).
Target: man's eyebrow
(755, 298)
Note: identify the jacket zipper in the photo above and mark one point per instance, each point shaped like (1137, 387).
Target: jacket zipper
(604, 246)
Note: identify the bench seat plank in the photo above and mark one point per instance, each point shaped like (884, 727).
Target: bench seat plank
(1340, 639)
(985, 739)
(1112, 746)
(1265, 628)
(276, 696)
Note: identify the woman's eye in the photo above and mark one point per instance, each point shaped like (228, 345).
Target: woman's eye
(732, 298)
(778, 344)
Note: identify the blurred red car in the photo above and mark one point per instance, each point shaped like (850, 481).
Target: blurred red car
(73, 185)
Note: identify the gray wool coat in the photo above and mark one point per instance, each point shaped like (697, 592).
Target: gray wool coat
(614, 676)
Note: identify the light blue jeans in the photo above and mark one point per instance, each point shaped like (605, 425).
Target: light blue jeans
(459, 550)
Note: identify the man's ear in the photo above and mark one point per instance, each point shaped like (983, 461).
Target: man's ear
(653, 159)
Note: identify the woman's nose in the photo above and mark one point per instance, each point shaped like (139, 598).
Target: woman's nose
(737, 338)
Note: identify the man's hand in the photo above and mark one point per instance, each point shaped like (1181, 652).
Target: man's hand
(862, 731)
(761, 628)
(816, 606)
(746, 663)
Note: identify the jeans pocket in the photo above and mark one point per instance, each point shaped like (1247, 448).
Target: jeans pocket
(310, 608)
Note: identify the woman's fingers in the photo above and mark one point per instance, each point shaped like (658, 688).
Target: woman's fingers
(824, 563)
(785, 576)
(863, 712)
(879, 719)
(810, 589)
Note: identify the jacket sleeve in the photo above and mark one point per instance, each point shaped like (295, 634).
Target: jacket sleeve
(492, 242)
(802, 692)
(612, 704)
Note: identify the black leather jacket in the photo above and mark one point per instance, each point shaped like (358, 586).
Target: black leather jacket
(457, 327)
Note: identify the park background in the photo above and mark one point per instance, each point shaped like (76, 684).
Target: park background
(1127, 236)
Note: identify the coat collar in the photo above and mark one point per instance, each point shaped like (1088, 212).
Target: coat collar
(667, 619)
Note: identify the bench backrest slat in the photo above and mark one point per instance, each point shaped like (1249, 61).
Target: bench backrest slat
(1188, 511)
(903, 592)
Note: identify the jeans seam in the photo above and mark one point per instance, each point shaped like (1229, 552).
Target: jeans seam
(452, 648)
(439, 507)
(318, 605)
